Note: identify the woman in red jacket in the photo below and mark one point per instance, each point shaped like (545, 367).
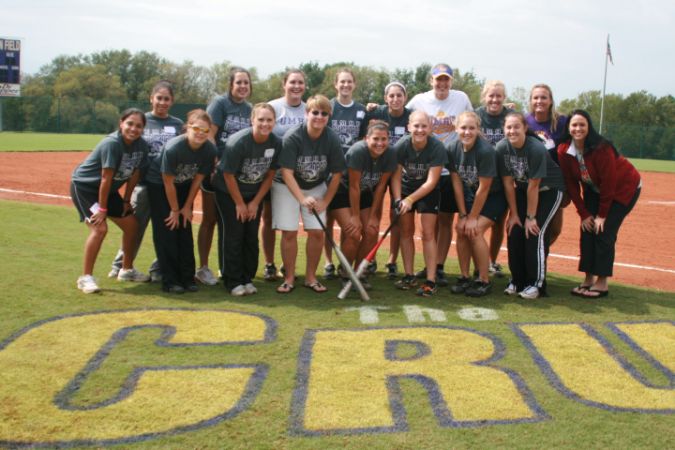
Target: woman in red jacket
(604, 187)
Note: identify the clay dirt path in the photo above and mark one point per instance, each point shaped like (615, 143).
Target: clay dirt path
(645, 248)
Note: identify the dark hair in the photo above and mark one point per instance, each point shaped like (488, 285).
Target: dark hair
(377, 125)
(234, 70)
(163, 84)
(593, 139)
(130, 112)
(521, 118)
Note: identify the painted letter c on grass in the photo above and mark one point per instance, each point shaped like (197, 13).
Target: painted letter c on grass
(42, 366)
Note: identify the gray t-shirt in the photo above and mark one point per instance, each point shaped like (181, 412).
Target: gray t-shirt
(358, 158)
(530, 161)
(248, 161)
(398, 126)
(112, 153)
(349, 122)
(312, 161)
(287, 116)
(158, 131)
(179, 160)
(491, 126)
(416, 164)
(480, 161)
(229, 116)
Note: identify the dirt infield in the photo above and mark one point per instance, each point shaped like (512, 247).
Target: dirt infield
(644, 253)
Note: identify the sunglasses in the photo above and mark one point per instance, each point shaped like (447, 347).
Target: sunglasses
(197, 129)
(316, 112)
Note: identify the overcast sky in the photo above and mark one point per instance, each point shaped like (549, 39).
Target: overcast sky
(561, 43)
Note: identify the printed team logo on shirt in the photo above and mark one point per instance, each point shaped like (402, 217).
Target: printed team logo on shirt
(234, 123)
(346, 129)
(441, 124)
(518, 168)
(311, 168)
(548, 142)
(156, 139)
(395, 135)
(186, 172)
(289, 120)
(415, 171)
(493, 135)
(253, 170)
(469, 175)
(369, 180)
(130, 162)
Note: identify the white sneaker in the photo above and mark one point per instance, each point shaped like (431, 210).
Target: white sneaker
(87, 284)
(114, 272)
(205, 276)
(239, 291)
(132, 275)
(250, 289)
(530, 292)
(511, 289)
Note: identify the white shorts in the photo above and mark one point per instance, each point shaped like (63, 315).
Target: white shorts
(286, 209)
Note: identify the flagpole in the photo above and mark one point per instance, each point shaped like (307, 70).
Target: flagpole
(604, 86)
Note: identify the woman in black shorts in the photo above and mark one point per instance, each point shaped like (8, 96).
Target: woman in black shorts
(94, 186)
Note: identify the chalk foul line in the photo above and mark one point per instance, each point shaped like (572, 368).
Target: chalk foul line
(553, 255)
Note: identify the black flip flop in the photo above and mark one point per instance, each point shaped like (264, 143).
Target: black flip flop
(578, 291)
(595, 293)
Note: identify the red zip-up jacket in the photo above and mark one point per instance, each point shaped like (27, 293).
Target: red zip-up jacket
(613, 175)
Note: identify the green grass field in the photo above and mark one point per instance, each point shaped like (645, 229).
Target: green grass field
(304, 397)
(28, 142)
(47, 142)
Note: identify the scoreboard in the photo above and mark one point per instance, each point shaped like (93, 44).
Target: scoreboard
(10, 67)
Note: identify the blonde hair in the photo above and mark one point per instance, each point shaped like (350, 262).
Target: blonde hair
(468, 114)
(552, 113)
(258, 106)
(490, 84)
(319, 102)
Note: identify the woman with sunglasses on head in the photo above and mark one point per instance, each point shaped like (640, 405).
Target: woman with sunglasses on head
(349, 122)
(549, 126)
(173, 183)
(310, 154)
(397, 116)
(604, 187)
(229, 113)
(243, 179)
(116, 160)
(480, 201)
(289, 111)
(492, 113)
(415, 188)
(159, 129)
(357, 206)
(533, 187)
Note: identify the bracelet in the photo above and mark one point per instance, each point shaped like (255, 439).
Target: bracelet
(463, 216)
(529, 217)
(408, 201)
(103, 210)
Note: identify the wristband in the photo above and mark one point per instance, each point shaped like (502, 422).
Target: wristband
(103, 210)
(463, 216)
(529, 217)
(407, 201)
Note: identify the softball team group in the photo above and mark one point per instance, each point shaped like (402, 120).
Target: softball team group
(332, 161)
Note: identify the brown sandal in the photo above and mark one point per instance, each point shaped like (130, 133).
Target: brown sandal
(316, 287)
(285, 288)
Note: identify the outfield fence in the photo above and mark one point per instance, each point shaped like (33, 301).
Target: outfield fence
(85, 115)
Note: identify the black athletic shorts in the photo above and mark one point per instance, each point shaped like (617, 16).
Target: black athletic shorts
(84, 197)
(447, 202)
(495, 206)
(425, 205)
(341, 200)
